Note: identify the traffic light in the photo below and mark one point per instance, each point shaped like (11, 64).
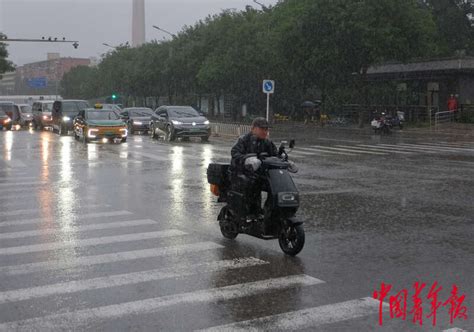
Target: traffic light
(114, 96)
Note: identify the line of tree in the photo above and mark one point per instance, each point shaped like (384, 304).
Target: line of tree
(5, 65)
(312, 48)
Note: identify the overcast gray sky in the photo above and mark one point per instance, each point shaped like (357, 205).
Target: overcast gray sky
(94, 22)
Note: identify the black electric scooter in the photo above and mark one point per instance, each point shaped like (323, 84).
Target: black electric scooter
(278, 218)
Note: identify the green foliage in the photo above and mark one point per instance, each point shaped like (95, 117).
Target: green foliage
(312, 48)
(81, 82)
(5, 65)
(455, 25)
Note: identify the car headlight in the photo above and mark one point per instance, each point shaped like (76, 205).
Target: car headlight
(176, 122)
(137, 123)
(66, 118)
(124, 132)
(92, 133)
(206, 122)
(45, 117)
(8, 120)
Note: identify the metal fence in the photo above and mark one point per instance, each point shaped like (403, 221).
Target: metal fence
(465, 114)
(443, 118)
(360, 114)
(229, 129)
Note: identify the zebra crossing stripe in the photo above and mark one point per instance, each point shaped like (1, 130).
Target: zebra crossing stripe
(362, 150)
(458, 144)
(97, 241)
(183, 270)
(406, 148)
(18, 184)
(14, 190)
(307, 318)
(108, 258)
(76, 229)
(348, 150)
(374, 147)
(432, 149)
(61, 321)
(81, 217)
(451, 149)
(11, 213)
(327, 151)
(15, 179)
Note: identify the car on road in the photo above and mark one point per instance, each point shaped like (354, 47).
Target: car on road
(137, 119)
(42, 116)
(113, 107)
(101, 125)
(5, 121)
(9, 108)
(179, 122)
(25, 115)
(64, 112)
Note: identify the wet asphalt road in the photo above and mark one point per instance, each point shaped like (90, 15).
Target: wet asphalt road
(124, 237)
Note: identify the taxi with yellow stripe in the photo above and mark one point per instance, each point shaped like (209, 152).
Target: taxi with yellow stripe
(101, 125)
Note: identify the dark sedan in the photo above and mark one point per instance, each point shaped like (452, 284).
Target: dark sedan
(179, 122)
(137, 118)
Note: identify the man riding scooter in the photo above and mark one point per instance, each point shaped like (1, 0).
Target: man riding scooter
(256, 142)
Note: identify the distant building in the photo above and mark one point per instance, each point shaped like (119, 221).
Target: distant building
(43, 77)
(8, 83)
(427, 83)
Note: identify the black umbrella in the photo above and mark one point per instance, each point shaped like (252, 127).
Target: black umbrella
(308, 104)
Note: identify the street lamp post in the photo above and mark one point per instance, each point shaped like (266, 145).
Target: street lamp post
(165, 31)
(264, 8)
(105, 44)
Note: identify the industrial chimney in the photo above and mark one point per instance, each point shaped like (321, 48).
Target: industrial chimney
(138, 23)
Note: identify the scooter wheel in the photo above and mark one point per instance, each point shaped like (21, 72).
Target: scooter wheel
(291, 240)
(228, 227)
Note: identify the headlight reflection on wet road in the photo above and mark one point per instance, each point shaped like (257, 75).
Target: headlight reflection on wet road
(67, 201)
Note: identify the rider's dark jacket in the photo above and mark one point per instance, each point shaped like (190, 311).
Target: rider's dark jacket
(247, 144)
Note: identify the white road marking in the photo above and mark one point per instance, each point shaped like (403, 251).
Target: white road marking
(15, 163)
(405, 148)
(90, 242)
(455, 329)
(151, 156)
(108, 258)
(339, 140)
(302, 153)
(307, 318)
(19, 184)
(374, 147)
(59, 322)
(358, 149)
(15, 179)
(348, 150)
(326, 151)
(183, 270)
(80, 217)
(14, 189)
(439, 148)
(11, 213)
(77, 229)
